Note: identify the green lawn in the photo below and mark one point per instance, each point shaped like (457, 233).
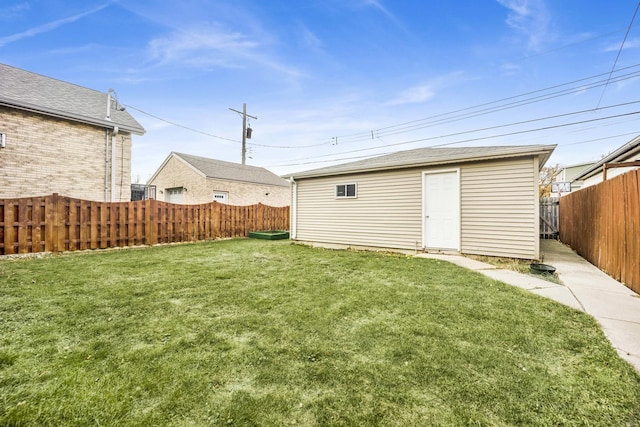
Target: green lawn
(254, 332)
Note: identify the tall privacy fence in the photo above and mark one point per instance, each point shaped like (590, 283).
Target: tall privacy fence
(56, 223)
(602, 224)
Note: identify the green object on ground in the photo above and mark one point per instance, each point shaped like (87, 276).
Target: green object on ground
(269, 235)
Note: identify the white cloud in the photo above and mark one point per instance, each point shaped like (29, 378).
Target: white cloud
(425, 91)
(13, 11)
(212, 46)
(50, 26)
(377, 4)
(308, 38)
(509, 68)
(628, 44)
(414, 95)
(202, 45)
(531, 18)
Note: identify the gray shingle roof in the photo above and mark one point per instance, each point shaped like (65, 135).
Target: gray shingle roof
(421, 157)
(213, 168)
(622, 154)
(33, 92)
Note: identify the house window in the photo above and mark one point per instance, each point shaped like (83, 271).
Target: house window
(346, 190)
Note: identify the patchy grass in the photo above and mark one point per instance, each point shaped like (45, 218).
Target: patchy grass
(249, 332)
(518, 265)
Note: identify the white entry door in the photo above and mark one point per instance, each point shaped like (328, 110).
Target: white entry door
(441, 223)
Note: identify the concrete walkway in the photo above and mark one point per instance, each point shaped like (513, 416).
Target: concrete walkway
(585, 288)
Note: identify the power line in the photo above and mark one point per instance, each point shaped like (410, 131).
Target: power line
(215, 136)
(180, 126)
(437, 119)
(391, 152)
(442, 119)
(601, 139)
(465, 140)
(615, 62)
(486, 128)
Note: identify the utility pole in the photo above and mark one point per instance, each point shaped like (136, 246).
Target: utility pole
(244, 129)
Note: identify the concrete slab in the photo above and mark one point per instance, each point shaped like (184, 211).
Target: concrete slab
(573, 270)
(602, 304)
(625, 337)
(561, 294)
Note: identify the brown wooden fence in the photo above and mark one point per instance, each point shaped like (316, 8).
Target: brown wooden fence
(602, 224)
(56, 223)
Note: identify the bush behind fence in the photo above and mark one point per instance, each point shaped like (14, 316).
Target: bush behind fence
(56, 223)
(602, 224)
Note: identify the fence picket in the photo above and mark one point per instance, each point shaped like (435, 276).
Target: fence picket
(549, 214)
(37, 218)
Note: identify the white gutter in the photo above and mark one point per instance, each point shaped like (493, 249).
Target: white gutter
(106, 166)
(114, 134)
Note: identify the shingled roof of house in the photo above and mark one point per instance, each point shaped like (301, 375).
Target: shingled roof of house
(430, 156)
(212, 168)
(29, 91)
(628, 151)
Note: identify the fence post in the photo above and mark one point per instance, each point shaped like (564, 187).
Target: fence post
(52, 223)
(9, 229)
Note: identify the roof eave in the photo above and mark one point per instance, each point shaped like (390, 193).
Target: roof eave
(207, 176)
(75, 117)
(545, 152)
(630, 148)
(249, 182)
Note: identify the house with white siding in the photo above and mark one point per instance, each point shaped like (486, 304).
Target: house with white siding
(622, 160)
(472, 200)
(563, 181)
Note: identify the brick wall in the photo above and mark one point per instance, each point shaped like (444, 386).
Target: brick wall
(199, 189)
(45, 155)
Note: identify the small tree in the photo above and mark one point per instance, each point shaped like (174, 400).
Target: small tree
(547, 174)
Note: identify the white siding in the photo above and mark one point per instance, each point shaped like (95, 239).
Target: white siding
(499, 208)
(386, 213)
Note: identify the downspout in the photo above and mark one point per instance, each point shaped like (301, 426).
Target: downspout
(106, 151)
(294, 209)
(113, 162)
(106, 166)
(536, 198)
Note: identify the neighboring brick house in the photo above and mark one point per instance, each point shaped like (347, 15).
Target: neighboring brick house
(58, 137)
(187, 179)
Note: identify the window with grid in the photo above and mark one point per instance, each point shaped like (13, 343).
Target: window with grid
(346, 191)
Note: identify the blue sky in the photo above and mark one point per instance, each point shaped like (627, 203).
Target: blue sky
(337, 80)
